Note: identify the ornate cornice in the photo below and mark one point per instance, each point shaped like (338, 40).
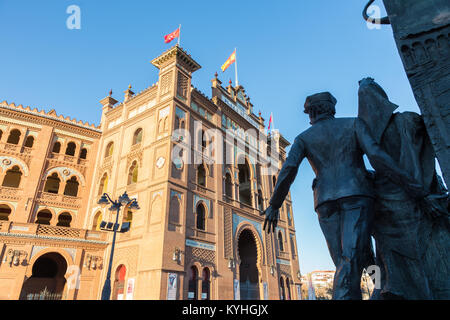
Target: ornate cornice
(62, 239)
(49, 118)
(180, 55)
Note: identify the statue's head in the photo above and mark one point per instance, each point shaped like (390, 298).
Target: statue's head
(320, 105)
(370, 84)
(374, 107)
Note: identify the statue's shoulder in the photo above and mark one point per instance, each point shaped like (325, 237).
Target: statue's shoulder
(346, 121)
(409, 115)
(409, 118)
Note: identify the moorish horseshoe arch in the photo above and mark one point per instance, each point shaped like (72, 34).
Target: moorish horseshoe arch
(43, 252)
(66, 173)
(259, 247)
(7, 163)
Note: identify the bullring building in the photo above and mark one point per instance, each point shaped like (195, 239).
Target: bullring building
(198, 234)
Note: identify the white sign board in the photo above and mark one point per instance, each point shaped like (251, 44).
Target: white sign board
(130, 289)
(266, 291)
(237, 293)
(172, 286)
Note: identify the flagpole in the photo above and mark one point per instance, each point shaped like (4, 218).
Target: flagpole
(179, 35)
(235, 67)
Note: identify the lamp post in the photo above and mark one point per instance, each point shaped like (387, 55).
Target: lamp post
(127, 203)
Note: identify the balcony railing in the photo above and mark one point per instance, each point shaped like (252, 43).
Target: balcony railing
(28, 229)
(60, 199)
(66, 158)
(11, 147)
(283, 255)
(7, 193)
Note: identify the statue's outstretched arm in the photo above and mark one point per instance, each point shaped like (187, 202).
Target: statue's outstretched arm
(285, 179)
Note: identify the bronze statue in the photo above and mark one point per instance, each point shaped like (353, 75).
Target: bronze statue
(412, 237)
(343, 192)
(421, 31)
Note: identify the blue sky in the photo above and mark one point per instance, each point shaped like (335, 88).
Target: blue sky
(286, 51)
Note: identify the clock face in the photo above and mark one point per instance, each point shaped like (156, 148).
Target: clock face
(160, 162)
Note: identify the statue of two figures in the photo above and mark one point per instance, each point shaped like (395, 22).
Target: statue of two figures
(403, 204)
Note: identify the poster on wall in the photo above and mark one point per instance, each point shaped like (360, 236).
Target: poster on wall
(237, 293)
(172, 286)
(130, 289)
(266, 291)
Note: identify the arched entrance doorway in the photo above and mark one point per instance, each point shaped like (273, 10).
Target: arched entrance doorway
(248, 272)
(47, 281)
(119, 283)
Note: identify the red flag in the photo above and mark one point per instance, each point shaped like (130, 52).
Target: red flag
(271, 120)
(171, 36)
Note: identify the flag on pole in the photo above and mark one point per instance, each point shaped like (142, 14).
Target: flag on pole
(270, 121)
(169, 37)
(230, 61)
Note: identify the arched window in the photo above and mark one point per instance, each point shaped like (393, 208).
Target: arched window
(70, 150)
(97, 221)
(14, 137)
(103, 186)
(200, 222)
(174, 213)
(280, 241)
(119, 283)
(203, 137)
(5, 212)
(71, 188)
(29, 142)
(206, 284)
(228, 185)
(289, 214)
(83, 153)
(274, 181)
(109, 149)
(137, 137)
(52, 183)
(288, 290)
(244, 184)
(56, 147)
(64, 220)
(133, 173)
(293, 247)
(201, 175)
(12, 177)
(44, 217)
(192, 285)
(1, 134)
(283, 295)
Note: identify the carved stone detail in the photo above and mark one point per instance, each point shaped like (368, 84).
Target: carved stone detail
(166, 83)
(228, 233)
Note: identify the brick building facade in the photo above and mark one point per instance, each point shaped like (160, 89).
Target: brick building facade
(198, 234)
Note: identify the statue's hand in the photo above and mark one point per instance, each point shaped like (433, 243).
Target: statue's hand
(271, 220)
(435, 205)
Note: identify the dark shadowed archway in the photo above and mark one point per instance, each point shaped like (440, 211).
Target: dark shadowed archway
(47, 281)
(248, 271)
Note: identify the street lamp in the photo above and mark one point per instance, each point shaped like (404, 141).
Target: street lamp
(127, 203)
